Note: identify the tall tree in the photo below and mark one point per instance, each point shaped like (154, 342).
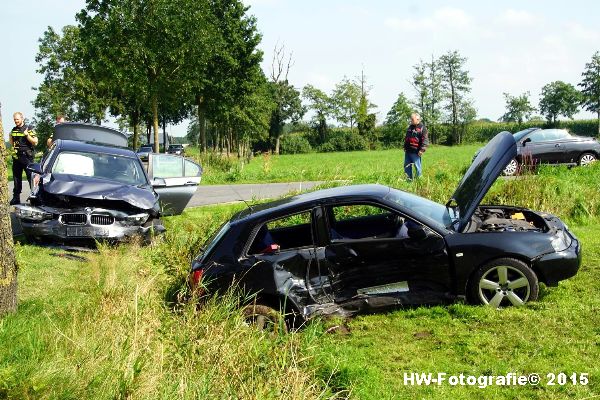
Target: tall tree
(365, 120)
(321, 104)
(419, 83)
(518, 108)
(590, 87)
(67, 87)
(399, 113)
(225, 62)
(141, 42)
(8, 263)
(288, 106)
(435, 97)
(457, 83)
(559, 98)
(346, 99)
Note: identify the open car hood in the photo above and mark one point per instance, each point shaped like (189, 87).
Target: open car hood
(90, 133)
(480, 176)
(99, 189)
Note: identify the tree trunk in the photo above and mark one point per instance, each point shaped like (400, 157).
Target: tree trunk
(155, 121)
(277, 139)
(201, 122)
(8, 263)
(164, 128)
(135, 121)
(598, 123)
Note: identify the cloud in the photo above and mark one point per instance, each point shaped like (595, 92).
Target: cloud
(517, 18)
(441, 19)
(579, 32)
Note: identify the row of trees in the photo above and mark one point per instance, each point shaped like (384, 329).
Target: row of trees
(152, 63)
(559, 98)
(155, 62)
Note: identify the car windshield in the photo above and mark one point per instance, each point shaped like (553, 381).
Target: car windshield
(105, 166)
(427, 210)
(145, 148)
(175, 146)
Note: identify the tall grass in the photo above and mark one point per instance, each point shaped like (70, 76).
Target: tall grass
(102, 329)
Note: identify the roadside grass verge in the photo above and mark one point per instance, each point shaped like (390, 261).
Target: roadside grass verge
(102, 329)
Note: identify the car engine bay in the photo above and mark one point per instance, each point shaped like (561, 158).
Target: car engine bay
(506, 219)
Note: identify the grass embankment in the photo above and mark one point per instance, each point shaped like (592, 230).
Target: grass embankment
(111, 327)
(371, 166)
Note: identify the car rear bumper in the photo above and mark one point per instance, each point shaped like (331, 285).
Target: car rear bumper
(560, 265)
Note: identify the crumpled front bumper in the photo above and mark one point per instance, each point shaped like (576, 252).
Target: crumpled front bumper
(53, 229)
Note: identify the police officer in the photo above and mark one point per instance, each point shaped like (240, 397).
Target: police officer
(23, 141)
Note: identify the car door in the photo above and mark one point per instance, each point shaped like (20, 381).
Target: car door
(537, 149)
(375, 253)
(279, 258)
(557, 152)
(175, 179)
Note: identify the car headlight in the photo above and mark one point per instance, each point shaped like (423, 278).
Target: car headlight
(561, 241)
(137, 219)
(32, 213)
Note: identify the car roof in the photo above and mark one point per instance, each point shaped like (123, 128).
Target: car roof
(75, 145)
(323, 196)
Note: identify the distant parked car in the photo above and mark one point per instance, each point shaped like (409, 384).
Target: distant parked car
(365, 248)
(176, 149)
(90, 186)
(537, 146)
(144, 151)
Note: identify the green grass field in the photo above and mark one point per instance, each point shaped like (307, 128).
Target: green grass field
(113, 325)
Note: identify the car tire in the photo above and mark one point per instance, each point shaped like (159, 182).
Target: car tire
(263, 318)
(586, 159)
(512, 168)
(503, 282)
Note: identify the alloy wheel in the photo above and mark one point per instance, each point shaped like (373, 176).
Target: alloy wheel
(504, 285)
(587, 159)
(511, 168)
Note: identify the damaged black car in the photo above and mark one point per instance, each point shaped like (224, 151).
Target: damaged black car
(90, 186)
(366, 248)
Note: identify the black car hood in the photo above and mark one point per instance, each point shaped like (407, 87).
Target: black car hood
(480, 176)
(99, 189)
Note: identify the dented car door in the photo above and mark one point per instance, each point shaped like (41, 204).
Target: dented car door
(384, 260)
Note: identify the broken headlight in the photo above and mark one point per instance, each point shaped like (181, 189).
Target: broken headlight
(561, 241)
(32, 213)
(137, 219)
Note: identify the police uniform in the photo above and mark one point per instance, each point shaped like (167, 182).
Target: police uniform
(23, 152)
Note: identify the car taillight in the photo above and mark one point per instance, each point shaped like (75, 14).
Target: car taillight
(197, 277)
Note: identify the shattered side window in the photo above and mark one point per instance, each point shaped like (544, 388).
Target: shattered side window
(289, 232)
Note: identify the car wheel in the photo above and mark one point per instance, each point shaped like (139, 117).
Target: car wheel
(504, 282)
(262, 317)
(586, 159)
(511, 168)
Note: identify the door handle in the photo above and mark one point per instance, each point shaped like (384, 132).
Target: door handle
(557, 145)
(190, 184)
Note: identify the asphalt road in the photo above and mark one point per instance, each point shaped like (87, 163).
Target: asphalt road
(214, 194)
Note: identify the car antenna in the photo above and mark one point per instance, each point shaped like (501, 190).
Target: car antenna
(240, 197)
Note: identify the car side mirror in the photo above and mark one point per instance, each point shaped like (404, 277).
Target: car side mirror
(526, 141)
(417, 232)
(35, 168)
(159, 182)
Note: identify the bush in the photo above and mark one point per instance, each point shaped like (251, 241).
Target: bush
(295, 144)
(344, 140)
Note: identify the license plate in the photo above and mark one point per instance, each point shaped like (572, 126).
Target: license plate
(86, 231)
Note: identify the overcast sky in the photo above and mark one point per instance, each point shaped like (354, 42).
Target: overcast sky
(511, 46)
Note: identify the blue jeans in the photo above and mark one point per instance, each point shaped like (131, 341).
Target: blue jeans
(411, 159)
